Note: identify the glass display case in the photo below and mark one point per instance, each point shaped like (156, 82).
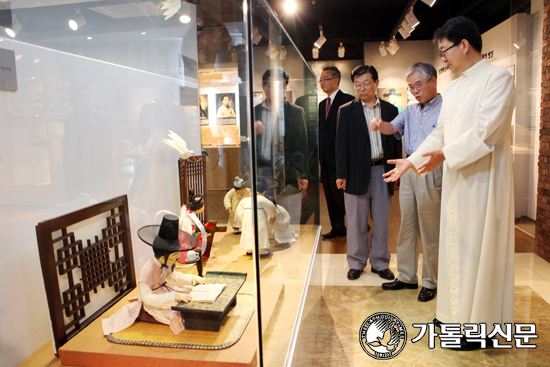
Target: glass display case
(89, 91)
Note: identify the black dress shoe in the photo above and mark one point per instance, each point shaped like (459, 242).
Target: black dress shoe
(397, 284)
(385, 274)
(333, 234)
(426, 294)
(467, 346)
(354, 274)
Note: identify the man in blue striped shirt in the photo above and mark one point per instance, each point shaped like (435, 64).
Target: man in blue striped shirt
(419, 197)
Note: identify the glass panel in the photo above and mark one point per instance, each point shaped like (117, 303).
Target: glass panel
(526, 45)
(286, 157)
(83, 115)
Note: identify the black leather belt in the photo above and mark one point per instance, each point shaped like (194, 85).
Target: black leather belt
(377, 163)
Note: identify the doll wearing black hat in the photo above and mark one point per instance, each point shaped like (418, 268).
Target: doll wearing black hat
(160, 287)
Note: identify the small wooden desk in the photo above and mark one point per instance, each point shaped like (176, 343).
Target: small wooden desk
(209, 316)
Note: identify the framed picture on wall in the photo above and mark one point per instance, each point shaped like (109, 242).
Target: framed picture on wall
(203, 107)
(395, 96)
(225, 109)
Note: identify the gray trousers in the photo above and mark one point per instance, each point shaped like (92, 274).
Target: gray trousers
(377, 201)
(420, 201)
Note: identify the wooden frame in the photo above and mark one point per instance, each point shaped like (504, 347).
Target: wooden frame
(192, 173)
(94, 261)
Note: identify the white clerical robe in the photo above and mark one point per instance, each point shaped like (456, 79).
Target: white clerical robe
(476, 256)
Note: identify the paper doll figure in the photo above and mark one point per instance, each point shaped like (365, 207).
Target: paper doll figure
(266, 211)
(160, 287)
(190, 223)
(231, 202)
(280, 226)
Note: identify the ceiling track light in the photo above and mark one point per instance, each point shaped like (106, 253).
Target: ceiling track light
(403, 32)
(15, 27)
(290, 6)
(393, 46)
(407, 26)
(321, 40)
(341, 50)
(78, 21)
(406, 20)
(430, 3)
(256, 36)
(411, 18)
(382, 49)
(315, 53)
(282, 53)
(272, 51)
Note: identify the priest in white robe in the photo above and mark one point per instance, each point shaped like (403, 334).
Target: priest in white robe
(472, 140)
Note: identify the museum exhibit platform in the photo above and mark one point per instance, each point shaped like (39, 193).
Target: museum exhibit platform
(283, 278)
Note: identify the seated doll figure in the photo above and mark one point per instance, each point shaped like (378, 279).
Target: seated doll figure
(231, 202)
(160, 287)
(266, 211)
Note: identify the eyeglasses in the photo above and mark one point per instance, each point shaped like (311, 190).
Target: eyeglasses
(444, 52)
(325, 79)
(364, 85)
(418, 86)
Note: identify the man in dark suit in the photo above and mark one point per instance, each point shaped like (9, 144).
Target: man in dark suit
(361, 160)
(281, 143)
(328, 113)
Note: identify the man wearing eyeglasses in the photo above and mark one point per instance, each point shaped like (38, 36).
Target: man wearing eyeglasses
(361, 157)
(472, 140)
(419, 197)
(328, 113)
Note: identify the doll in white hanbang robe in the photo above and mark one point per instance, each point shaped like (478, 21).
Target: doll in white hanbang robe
(266, 211)
(231, 202)
(160, 287)
(281, 228)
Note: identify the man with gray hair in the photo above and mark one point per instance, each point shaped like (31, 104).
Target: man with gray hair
(419, 197)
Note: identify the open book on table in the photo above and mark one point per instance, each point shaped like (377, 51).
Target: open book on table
(206, 292)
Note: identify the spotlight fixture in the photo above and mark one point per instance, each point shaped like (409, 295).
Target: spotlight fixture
(520, 41)
(341, 50)
(411, 18)
(382, 49)
(315, 53)
(393, 46)
(15, 27)
(404, 32)
(407, 26)
(321, 40)
(282, 54)
(272, 51)
(430, 3)
(185, 12)
(290, 6)
(256, 36)
(78, 21)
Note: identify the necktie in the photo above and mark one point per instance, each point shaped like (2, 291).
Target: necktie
(328, 107)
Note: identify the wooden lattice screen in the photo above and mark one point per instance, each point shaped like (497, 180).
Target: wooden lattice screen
(73, 272)
(193, 177)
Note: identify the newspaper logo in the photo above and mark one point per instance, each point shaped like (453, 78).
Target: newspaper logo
(383, 335)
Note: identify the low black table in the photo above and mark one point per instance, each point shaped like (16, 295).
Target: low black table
(209, 316)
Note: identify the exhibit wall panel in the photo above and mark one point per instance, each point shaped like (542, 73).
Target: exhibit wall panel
(85, 125)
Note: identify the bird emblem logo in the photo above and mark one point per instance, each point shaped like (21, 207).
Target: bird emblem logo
(383, 335)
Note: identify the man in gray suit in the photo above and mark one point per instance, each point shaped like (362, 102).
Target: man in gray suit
(361, 160)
